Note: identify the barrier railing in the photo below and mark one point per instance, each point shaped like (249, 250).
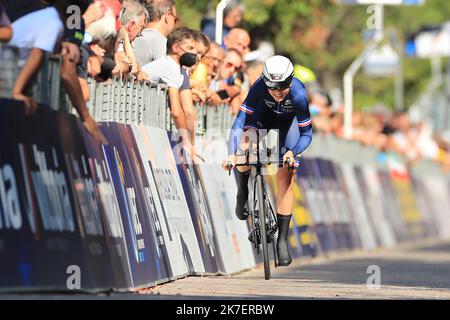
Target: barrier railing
(127, 101)
(45, 86)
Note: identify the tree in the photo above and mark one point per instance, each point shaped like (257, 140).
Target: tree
(327, 37)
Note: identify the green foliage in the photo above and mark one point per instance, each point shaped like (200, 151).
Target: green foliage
(327, 37)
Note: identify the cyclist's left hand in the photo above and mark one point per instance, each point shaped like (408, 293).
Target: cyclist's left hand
(289, 155)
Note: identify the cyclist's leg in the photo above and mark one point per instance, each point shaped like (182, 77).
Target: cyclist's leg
(243, 172)
(284, 201)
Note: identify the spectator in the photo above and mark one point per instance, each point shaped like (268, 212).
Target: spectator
(337, 124)
(207, 69)
(89, 66)
(70, 53)
(18, 8)
(204, 45)
(201, 73)
(133, 21)
(186, 90)
(5, 26)
(182, 51)
(214, 59)
(108, 25)
(320, 109)
(253, 71)
(232, 16)
(238, 39)
(36, 42)
(162, 18)
(222, 92)
(132, 18)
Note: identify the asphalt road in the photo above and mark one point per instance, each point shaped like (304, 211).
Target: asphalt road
(419, 271)
(414, 271)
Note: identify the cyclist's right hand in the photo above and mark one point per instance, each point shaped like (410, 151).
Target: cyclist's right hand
(229, 163)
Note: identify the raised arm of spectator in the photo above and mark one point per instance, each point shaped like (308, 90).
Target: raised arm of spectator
(70, 82)
(128, 49)
(30, 68)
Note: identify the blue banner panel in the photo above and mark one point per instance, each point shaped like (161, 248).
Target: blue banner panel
(392, 207)
(198, 208)
(337, 197)
(142, 257)
(87, 204)
(110, 213)
(40, 243)
(147, 199)
(306, 180)
(327, 212)
(328, 183)
(351, 225)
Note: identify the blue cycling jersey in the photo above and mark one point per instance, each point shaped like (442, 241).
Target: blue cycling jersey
(261, 111)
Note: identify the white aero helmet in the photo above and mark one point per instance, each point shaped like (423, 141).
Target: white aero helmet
(278, 73)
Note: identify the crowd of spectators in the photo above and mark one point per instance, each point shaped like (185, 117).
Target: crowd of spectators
(382, 129)
(143, 40)
(137, 40)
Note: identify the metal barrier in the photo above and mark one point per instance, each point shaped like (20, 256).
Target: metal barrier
(45, 87)
(217, 119)
(127, 101)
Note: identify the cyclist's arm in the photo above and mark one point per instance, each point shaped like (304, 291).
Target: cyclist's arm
(303, 122)
(236, 132)
(247, 109)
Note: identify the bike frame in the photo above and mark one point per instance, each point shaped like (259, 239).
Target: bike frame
(264, 221)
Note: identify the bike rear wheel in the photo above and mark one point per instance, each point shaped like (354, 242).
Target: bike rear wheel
(262, 224)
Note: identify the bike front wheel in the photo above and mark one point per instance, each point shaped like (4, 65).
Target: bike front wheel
(263, 211)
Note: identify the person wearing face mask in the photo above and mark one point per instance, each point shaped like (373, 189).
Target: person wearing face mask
(182, 51)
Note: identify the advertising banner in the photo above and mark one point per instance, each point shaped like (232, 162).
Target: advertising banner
(406, 198)
(40, 242)
(142, 254)
(231, 234)
(172, 197)
(197, 205)
(86, 204)
(360, 215)
(374, 199)
(173, 220)
(392, 207)
(437, 190)
(317, 207)
(110, 212)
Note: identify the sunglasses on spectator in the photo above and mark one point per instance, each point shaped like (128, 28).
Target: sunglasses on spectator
(230, 65)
